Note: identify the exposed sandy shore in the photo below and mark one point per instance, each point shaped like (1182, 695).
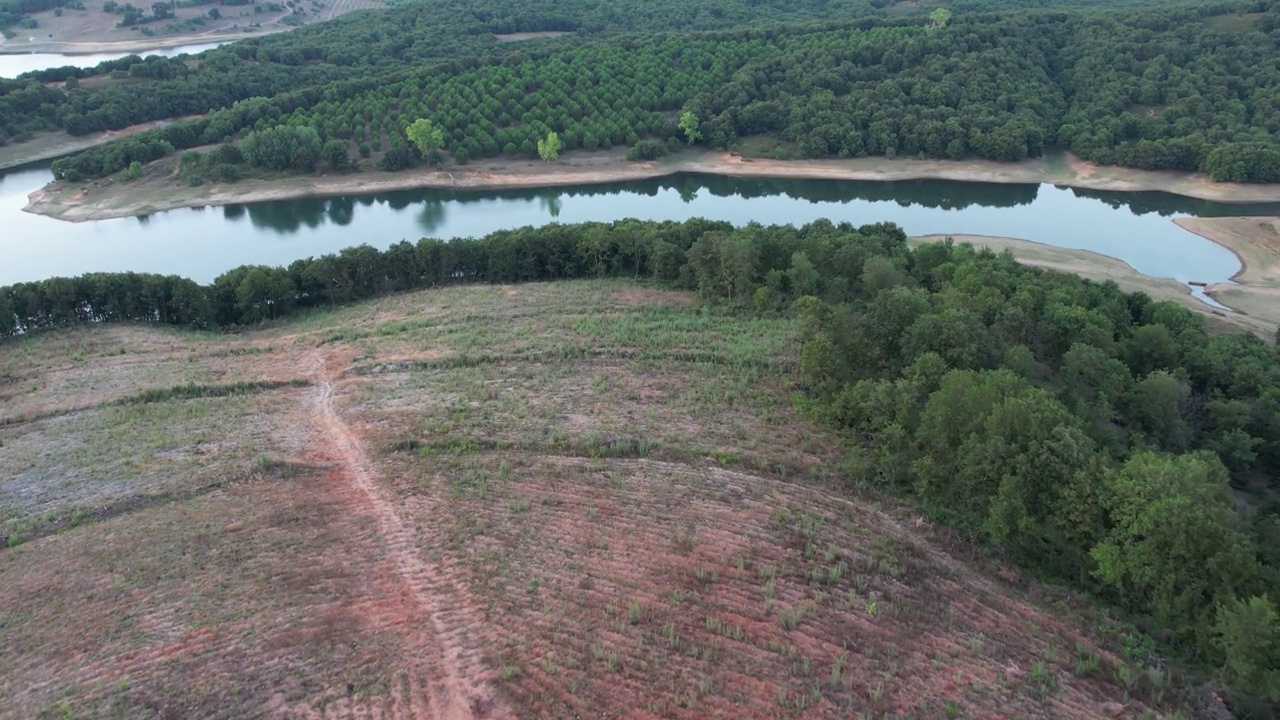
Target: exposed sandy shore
(1255, 290)
(104, 199)
(140, 45)
(1255, 240)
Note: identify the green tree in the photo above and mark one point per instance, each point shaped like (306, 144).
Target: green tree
(938, 19)
(804, 277)
(1157, 404)
(335, 153)
(264, 293)
(689, 126)
(1173, 548)
(1248, 635)
(549, 147)
(283, 147)
(425, 135)
(133, 172)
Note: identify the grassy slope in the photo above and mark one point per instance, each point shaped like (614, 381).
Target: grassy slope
(532, 501)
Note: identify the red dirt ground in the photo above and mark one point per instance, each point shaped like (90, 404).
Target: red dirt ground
(526, 564)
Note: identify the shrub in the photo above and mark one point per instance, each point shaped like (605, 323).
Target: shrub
(646, 150)
(133, 172)
(397, 158)
(226, 173)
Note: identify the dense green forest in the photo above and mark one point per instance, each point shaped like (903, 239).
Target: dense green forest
(1190, 87)
(1098, 437)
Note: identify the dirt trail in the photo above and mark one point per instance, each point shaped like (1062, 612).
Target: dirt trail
(460, 690)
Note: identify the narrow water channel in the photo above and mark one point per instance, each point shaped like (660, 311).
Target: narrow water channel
(202, 243)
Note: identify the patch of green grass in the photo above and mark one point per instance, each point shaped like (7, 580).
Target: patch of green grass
(765, 147)
(1234, 22)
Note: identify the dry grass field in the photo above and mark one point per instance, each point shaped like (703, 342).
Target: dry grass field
(586, 499)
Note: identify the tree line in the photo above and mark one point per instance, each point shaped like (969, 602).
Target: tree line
(1103, 439)
(365, 45)
(1179, 88)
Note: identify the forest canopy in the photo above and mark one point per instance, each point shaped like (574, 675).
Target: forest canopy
(1190, 87)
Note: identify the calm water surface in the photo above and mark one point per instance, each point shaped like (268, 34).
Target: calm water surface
(203, 243)
(15, 65)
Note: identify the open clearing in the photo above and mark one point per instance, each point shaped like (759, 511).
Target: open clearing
(583, 499)
(521, 37)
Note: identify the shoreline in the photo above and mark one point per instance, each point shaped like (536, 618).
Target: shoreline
(1252, 296)
(127, 47)
(107, 198)
(1241, 241)
(1255, 240)
(1195, 228)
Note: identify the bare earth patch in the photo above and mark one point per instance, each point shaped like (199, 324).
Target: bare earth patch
(518, 37)
(581, 499)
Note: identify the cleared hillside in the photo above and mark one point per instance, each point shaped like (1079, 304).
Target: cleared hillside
(587, 499)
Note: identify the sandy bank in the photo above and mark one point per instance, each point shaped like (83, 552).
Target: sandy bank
(1255, 240)
(125, 47)
(108, 199)
(1255, 290)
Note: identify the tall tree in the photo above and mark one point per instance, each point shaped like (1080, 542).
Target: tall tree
(549, 146)
(425, 135)
(689, 126)
(1174, 549)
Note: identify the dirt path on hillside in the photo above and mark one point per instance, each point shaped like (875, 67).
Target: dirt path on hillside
(443, 615)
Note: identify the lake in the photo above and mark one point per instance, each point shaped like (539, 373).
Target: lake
(16, 64)
(203, 243)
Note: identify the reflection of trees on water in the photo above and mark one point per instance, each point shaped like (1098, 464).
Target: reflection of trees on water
(431, 215)
(926, 193)
(551, 202)
(287, 216)
(432, 205)
(342, 210)
(1162, 203)
(688, 192)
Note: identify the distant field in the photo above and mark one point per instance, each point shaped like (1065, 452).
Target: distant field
(1236, 22)
(93, 30)
(589, 499)
(517, 37)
